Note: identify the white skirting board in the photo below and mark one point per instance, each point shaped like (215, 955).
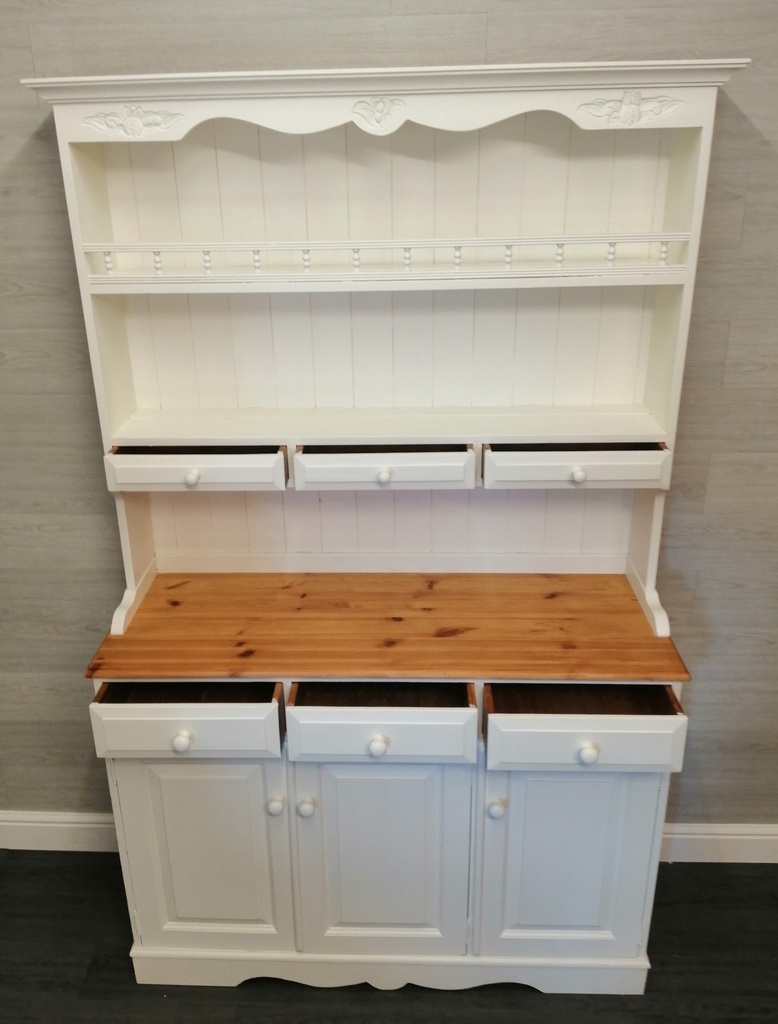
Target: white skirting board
(63, 830)
(723, 844)
(57, 830)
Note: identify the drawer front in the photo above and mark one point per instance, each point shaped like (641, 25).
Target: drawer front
(577, 468)
(586, 742)
(196, 471)
(186, 730)
(374, 734)
(384, 470)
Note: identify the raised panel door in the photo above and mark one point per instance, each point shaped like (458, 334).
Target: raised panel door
(383, 857)
(207, 848)
(569, 862)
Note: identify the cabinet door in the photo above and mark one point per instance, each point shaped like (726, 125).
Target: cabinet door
(569, 862)
(383, 857)
(207, 850)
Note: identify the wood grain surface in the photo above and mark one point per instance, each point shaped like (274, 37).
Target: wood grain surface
(402, 625)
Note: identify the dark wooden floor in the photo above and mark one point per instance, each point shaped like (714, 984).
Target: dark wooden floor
(64, 940)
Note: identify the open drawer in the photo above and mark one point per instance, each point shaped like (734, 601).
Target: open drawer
(381, 467)
(218, 468)
(584, 726)
(234, 719)
(391, 721)
(639, 464)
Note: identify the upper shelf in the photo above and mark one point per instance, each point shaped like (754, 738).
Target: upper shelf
(396, 264)
(596, 95)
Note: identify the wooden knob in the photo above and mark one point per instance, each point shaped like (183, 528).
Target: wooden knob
(275, 806)
(192, 477)
(307, 807)
(384, 475)
(378, 746)
(578, 475)
(182, 741)
(589, 752)
(496, 808)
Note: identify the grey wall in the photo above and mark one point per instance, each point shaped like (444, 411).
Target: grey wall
(60, 574)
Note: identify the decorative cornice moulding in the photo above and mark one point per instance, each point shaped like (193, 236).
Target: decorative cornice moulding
(595, 96)
(380, 114)
(388, 81)
(133, 122)
(632, 109)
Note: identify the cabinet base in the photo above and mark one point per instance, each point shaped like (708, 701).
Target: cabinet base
(625, 976)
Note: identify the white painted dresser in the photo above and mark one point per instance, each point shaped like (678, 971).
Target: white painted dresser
(388, 366)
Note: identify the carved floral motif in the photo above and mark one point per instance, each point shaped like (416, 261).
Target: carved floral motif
(379, 114)
(633, 108)
(134, 121)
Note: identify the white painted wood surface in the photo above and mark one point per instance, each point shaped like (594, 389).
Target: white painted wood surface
(571, 303)
(389, 735)
(201, 471)
(561, 861)
(587, 742)
(186, 731)
(208, 819)
(383, 857)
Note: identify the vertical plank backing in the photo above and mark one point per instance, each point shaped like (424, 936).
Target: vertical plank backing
(373, 349)
(412, 323)
(214, 356)
(252, 340)
(577, 345)
(332, 349)
(174, 356)
(452, 349)
(536, 331)
(293, 351)
(547, 144)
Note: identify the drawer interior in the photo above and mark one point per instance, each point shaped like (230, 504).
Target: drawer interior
(379, 449)
(356, 693)
(629, 446)
(580, 699)
(214, 449)
(233, 691)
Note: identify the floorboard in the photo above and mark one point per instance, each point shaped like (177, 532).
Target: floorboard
(64, 941)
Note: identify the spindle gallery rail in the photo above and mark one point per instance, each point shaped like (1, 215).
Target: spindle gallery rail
(500, 259)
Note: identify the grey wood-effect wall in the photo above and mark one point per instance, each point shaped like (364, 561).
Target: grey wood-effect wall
(60, 569)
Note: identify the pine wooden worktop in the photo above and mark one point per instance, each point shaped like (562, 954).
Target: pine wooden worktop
(402, 625)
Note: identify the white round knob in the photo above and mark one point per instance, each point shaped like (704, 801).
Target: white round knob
(378, 746)
(578, 475)
(192, 478)
(589, 752)
(384, 475)
(307, 807)
(496, 808)
(182, 741)
(275, 806)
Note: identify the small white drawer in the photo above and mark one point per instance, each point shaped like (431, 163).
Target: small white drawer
(572, 466)
(384, 468)
(412, 722)
(158, 468)
(586, 726)
(187, 720)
